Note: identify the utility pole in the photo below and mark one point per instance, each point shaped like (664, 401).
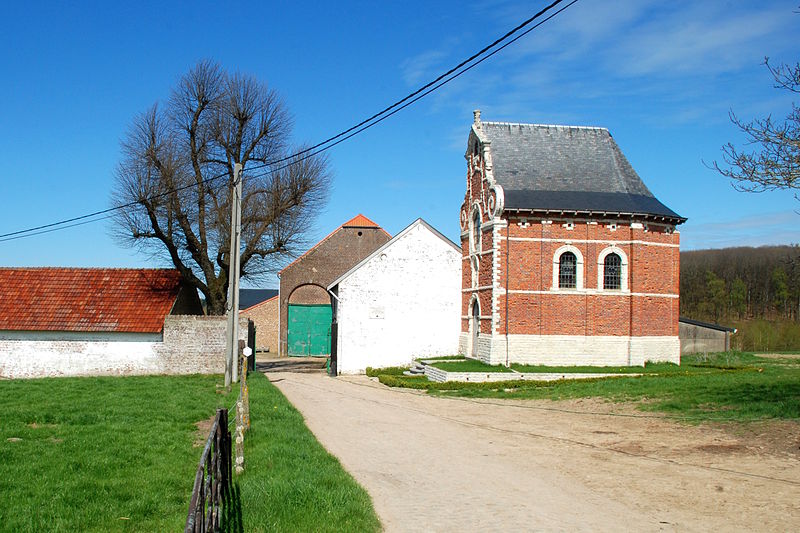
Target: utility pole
(232, 332)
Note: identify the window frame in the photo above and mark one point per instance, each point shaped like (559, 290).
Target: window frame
(579, 268)
(476, 231)
(623, 269)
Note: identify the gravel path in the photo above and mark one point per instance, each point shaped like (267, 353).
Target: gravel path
(441, 464)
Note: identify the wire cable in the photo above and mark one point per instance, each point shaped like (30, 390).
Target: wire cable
(426, 86)
(407, 103)
(328, 143)
(35, 230)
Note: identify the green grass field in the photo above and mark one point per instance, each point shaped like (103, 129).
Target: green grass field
(118, 454)
(728, 386)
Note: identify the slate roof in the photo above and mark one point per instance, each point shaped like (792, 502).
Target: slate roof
(87, 299)
(567, 168)
(250, 297)
(708, 325)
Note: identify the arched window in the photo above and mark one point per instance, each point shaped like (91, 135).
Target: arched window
(612, 269)
(612, 272)
(567, 268)
(476, 231)
(567, 271)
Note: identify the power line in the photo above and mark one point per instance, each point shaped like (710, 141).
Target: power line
(424, 87)
(418, 96)
(328, 143)
(35, 230)
(3, 238)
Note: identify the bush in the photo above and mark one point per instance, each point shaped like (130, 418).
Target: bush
(759, 335)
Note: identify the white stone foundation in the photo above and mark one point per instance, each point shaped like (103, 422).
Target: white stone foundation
(573, 350)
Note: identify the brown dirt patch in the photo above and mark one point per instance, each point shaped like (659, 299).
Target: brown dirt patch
(34, 425)
(203, 429)
(721, 448)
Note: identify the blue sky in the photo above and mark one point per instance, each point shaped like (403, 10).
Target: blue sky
(661, 76)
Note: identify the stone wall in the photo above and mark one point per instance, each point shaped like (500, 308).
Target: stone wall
(187, 345)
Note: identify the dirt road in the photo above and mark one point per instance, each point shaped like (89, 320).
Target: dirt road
(446, 464)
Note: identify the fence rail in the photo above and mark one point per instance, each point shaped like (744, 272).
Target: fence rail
(212, 482)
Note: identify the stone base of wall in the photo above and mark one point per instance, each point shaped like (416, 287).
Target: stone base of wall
(188, 345)
(441, 376)
(569, 350)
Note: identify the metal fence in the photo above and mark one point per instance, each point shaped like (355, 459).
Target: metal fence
(212, 482)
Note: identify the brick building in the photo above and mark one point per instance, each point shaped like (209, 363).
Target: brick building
(304, 303)
(261, 307)
(567, 257)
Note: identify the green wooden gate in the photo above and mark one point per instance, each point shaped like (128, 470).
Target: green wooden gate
(309, 329)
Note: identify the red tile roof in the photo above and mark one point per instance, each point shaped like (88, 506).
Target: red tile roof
(359, 221)
(86, 299)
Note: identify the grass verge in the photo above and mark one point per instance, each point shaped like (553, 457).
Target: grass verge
(728, 386)
(470, 365)
(290, 482)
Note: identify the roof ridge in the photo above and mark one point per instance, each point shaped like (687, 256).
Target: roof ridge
(558, 126)
(360, 221)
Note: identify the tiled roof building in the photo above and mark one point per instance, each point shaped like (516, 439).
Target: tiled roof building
(305, 305)
(104, 321)
(90, 299)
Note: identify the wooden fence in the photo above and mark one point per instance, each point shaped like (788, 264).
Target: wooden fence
(212, 483)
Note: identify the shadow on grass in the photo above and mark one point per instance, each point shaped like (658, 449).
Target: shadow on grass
(232, 511)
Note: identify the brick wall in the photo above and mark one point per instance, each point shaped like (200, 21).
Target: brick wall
(648, 307)
(265, 318)
(188, 345)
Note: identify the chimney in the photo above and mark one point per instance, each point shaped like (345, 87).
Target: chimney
(477, 115)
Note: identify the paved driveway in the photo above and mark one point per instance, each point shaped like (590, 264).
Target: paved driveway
(441, 464)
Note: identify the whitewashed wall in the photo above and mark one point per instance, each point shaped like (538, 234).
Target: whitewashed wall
(189, 345)
(402, 303)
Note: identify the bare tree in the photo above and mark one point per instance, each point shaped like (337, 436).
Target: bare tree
(775, 162)
(177, 168)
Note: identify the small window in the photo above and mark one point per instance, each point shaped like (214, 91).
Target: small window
(476, 232)
(567, 271)
(612, 272)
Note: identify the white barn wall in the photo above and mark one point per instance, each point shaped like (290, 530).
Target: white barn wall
(403, 302)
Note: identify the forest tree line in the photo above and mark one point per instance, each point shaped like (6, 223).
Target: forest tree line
(733, 284)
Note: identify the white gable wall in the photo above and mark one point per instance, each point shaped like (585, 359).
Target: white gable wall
(404, 302)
